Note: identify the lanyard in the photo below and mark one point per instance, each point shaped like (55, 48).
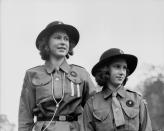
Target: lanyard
(52, 89)
(57, 103)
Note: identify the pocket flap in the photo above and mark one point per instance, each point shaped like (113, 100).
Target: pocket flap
(131, 112)
(75, 80)
(41, 80)
(101, 115)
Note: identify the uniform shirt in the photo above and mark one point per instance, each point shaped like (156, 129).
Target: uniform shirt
(37, 92)
(98, 114)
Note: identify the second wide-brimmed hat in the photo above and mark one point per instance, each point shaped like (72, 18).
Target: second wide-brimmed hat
(113, 53)
(71, 31)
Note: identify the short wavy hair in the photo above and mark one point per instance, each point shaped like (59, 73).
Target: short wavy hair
(45, 51)
(103, 76)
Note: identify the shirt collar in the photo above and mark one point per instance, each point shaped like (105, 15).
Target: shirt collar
(50, 68)
(107, 92)
(121, 91)
(65, 67)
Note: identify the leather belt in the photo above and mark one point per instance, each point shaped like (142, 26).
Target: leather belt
(59, 118)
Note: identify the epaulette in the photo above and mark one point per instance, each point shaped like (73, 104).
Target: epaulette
(127, 89)
(76, 65)
(39, 66)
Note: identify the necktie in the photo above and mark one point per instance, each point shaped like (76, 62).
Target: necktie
(57, 84)
(117, 111)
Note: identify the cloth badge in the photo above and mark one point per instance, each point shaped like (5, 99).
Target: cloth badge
(74, 74)
(130, 103)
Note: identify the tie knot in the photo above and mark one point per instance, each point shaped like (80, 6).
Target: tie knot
(114, 94)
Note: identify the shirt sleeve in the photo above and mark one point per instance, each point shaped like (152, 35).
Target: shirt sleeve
(87, 117)
(89, 88)
(145, 122)
(26, 105)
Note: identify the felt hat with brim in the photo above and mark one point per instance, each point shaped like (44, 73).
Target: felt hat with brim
(71, 31)
(112, 54)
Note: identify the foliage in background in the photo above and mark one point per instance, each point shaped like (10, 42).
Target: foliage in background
(152, 88)
(154, 94)
(5, 125)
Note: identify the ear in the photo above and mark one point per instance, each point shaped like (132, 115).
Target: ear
(124, 82)
(71, 44)
(127, 72)
(70, 52)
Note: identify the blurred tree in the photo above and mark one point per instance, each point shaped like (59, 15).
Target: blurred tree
(5, 125)
(154, 94)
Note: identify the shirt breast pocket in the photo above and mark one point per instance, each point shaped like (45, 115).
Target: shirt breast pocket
(102, 119)
(42, 86)
(101, 115)
(131, 115)
(130, 111)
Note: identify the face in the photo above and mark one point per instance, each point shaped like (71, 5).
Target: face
(118, 72)
(59, 44)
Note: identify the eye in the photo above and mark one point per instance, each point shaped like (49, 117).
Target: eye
(66, 38)
(125, 67)
(57, 37)
(117, 66)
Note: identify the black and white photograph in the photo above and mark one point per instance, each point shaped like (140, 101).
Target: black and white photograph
(81, 65)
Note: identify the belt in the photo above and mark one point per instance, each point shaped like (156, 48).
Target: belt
(59, 118)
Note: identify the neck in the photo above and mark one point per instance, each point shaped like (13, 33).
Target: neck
(56, 62)
(112, 87)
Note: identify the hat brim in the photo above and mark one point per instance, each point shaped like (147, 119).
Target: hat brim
(71, 31)
(130, 59)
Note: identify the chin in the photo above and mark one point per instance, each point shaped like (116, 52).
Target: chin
(63, 54)
(117, 84)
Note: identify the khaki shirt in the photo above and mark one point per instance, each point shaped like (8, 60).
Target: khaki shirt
(98, 114)
(37, 96)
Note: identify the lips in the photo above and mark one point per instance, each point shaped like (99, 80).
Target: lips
(120, 78)
(63, 48)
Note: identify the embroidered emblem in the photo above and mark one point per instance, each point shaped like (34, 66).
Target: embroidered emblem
(130, 103)
(59, 22)
(121, 52)
(74, 74)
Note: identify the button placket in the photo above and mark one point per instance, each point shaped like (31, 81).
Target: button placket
(57, 84)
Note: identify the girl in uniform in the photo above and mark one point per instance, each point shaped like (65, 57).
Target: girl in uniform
(115, 108)
(54, 92)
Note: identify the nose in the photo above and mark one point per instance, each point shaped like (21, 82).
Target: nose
(122, 71)
(63, 42)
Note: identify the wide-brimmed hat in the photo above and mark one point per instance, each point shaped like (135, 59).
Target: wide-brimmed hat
(113, 53)
(71, 31)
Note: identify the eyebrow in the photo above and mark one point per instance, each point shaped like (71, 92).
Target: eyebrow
(117, 63)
